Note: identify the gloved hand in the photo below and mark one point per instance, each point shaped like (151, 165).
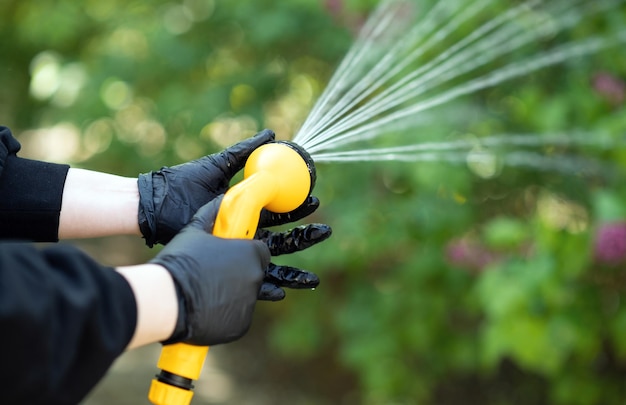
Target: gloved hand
(169, 197)
(217, 280)
(269, 218)
(291, 241)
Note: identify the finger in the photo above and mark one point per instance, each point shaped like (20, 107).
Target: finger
(232, 159)
(294, 240)
(270, 292)
(290, 277)
(205, 217)
(269, 218)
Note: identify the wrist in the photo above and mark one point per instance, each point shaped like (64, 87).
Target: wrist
(98, 204)
(180, 332)
(157, 303)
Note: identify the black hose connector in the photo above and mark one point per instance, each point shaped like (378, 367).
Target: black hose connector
(175, 380)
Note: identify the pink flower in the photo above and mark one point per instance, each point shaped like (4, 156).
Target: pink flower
(612, 88)
(610, 243)
(469, 255)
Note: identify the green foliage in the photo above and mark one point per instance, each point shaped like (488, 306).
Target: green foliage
(146, 84)
(506, 232)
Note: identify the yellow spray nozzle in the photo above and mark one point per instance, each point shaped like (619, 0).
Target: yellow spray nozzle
(278, 176)
(292, 171)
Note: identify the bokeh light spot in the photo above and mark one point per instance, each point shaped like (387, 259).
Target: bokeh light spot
(45, 72)
(72, 78)
(98, 135)
(177, 19)
(152, 137)
(228, 130)
(200, 10)
(483, 163)
(128, 42)
(115, 94)
(561, 214)
(60, 143)
(241, 95)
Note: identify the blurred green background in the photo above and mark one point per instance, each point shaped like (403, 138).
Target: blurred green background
(439, 285)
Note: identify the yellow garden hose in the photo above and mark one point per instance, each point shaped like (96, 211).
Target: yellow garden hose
(278, 176)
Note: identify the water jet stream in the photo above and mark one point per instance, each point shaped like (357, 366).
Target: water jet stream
(370, 83)
(373, 129)
(391, 80)
(454, 66)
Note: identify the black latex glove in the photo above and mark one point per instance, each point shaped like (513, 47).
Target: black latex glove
(217, 280)
(169, 197)
(294, 240)
(269, 219)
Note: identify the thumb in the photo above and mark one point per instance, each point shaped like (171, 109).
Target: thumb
(232, 159)
(205, 217)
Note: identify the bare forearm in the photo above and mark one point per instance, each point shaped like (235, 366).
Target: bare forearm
(98, 204)
(157, 304)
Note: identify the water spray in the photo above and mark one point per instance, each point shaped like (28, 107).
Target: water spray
(278, 176)
(407, 62)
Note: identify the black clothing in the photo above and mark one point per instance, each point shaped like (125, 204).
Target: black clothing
(30, 194)
(63, 317)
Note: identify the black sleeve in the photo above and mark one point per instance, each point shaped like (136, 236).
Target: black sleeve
(63, 321)
(31, 193)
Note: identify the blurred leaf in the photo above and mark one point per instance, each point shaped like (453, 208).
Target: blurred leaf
(608, 206)
(506, 232)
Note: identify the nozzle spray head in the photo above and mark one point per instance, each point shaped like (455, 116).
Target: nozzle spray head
(292, 169)
(308, 160)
